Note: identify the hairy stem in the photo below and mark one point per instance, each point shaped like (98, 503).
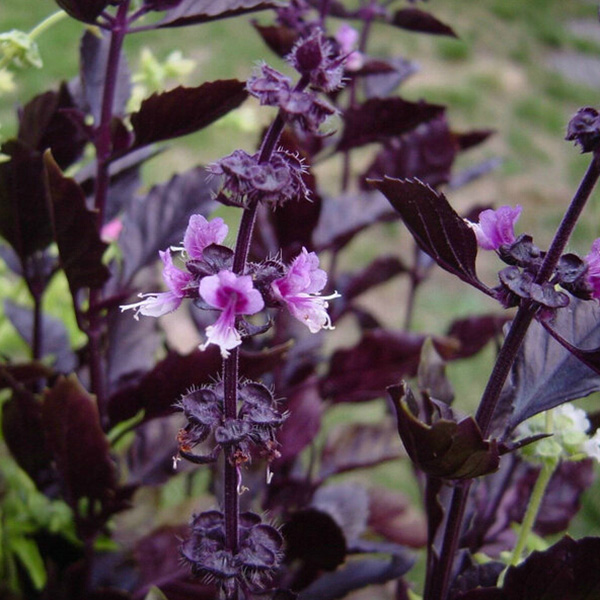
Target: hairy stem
(508, 353)
(231, 363)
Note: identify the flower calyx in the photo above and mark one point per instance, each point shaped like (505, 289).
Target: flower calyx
(252, 566)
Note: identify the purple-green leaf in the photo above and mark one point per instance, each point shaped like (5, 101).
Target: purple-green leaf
(435, 225)
(75, 229)
(184, 110)
(444, 449)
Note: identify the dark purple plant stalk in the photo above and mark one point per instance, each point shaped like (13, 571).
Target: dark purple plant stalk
(437, 582)
(231, 364)
(102, 143)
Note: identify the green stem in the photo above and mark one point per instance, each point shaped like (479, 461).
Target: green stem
(537, 495)
(48, 22)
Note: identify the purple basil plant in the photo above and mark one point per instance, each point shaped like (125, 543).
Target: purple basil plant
(96, 429)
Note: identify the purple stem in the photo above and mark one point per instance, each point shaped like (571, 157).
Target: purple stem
(103, 144)
(440, 578)
(231, 364)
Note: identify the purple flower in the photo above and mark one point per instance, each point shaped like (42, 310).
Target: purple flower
(496, 227)
(592, 260)
(160, 303)
(272, 88)
(233, 295)
(274, 182)
(347, 37)
(299, 289)
(314, 56)
(201, 233)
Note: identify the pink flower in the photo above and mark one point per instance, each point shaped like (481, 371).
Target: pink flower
(496, 227)
(201, 233)
(160, 303)
(347, 37)
(233, 295)
(592, 260)
(110, 231)
(299, 289)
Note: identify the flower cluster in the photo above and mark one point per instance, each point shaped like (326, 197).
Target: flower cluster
(208, 278)
(580, 277)
(274, 182)
(570, 439)
(253, 431)
(252, 567)
(305, 109)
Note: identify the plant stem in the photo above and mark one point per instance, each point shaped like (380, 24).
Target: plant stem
(506, 357)
(231, 363)
(535, 501)
(103, 143)
(48, 22)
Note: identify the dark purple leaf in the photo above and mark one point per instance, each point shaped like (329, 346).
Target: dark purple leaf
(296, 433)
(569, 570)
(383, 76)
(474, 333)
(131, 348)
(432, 378)
(426, 154)
(184, 110)
(472, 138)
(342, 217)
(161, 388)
(279, 38)
(348, 504)
(420, 21)
(437, 228)
(157, 391)
(77, 442)
(160, 5)
(191, 12)
(355, 576)
(545, 374)
(392, 516)
(24, 219)
(75, 229)
(379, 119)
(350, 286)
(23, 373)
(44, 123)
(54, 336)
(314, 537)
(24, 437)
(83, 10)
(380, 359)
(159, 562)
(476, 576)
(445, 448)
(124, 181)
(358, 446)
(159, 220)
